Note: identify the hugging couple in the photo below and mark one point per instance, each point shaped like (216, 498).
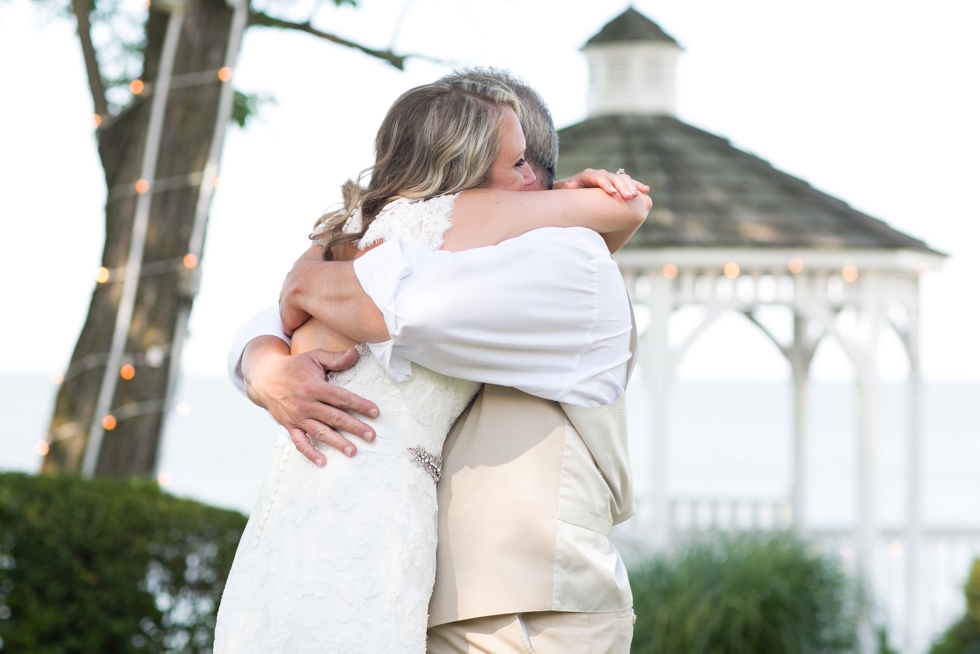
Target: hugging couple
(450, 361)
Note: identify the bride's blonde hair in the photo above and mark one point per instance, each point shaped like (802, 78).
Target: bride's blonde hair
(436, 139)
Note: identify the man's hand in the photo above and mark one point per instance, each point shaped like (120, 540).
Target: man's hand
(291, 310)
(295, 391)
(612, 183)
(330, 292)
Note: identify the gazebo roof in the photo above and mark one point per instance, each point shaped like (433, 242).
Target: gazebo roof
(630, 25)
(708, 194)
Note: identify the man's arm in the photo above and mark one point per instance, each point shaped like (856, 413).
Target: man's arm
(330, 291)
(546, 313)
(294, 388)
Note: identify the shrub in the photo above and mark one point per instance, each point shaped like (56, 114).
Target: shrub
(750, 593)
(964, 636)
(109, 566)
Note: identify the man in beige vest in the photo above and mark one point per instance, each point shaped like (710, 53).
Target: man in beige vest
(530, 488)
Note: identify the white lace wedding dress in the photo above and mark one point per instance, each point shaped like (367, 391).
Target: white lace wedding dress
(342, 558)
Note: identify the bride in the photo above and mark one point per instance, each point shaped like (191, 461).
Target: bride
(342, 558)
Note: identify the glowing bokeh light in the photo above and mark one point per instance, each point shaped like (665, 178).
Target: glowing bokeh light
(670, 271)
(731, 270)
(796, 265)
(190, 261)
(109, 422)
(850, 273)
(127, 372)
(102, 275)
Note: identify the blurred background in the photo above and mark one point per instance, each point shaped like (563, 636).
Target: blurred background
(873, 103)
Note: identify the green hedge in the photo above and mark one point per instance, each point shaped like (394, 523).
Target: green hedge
(964, 636)
(744, 594)
(108, 566)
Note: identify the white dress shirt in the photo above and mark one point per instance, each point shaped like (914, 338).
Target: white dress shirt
(546, 313)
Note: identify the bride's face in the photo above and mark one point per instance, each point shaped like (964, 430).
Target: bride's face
(510, 172)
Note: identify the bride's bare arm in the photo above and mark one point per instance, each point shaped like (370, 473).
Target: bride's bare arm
(483, 217)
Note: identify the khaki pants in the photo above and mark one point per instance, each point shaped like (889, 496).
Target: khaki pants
(549, 632)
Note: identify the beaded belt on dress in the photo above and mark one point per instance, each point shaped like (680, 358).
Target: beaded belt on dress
(431, 463)
(390, 443)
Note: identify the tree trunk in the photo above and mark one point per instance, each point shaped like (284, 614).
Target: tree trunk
(140, 403)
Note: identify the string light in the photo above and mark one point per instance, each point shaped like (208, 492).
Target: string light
(102, 275)
(109, 422)
(796, 265)
(141, 186)
(154, 356)
(97, 119)
(850, 273)
(670, 271)
(57, 378)
(731, 270)
(164, 479)
(183, 409)
(217, 182)
(190, 261)
(42, 448)
(224, 74)
(136, 86)
(127, 372)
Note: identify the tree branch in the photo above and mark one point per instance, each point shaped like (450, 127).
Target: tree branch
(264, 20)
(82, 9)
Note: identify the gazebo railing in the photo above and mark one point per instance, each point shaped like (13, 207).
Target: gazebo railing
(945, 557)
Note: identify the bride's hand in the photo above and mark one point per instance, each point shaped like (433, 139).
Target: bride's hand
(612, 183)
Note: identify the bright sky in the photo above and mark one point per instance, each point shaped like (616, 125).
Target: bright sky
(873, 101)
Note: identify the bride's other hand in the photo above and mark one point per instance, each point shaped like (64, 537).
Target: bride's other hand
(612, 183)
(295, 391)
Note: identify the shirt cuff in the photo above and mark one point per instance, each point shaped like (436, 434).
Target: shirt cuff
(380, 273)
(264, 323)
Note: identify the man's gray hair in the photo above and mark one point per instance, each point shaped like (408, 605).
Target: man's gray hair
(539, 128)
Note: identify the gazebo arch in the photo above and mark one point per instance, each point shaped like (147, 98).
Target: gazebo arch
(732, 233)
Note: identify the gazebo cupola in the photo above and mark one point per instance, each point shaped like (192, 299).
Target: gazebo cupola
(632, 67)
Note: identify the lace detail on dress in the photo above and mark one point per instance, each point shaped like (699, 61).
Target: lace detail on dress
(419, 222)
(342, 558)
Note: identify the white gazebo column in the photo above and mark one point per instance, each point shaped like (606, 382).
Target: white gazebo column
(658, 369)
(868, 329)
(800, 355)
(913, 527)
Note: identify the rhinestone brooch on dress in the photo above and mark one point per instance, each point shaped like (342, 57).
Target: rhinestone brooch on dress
(431, 463)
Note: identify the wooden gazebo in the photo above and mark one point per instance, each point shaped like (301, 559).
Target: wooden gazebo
(731, 233)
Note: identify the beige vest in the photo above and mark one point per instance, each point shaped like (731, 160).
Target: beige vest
(530, 490)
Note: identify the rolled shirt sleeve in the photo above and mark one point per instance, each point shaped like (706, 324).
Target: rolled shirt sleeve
(264, 323)
(546, 313)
